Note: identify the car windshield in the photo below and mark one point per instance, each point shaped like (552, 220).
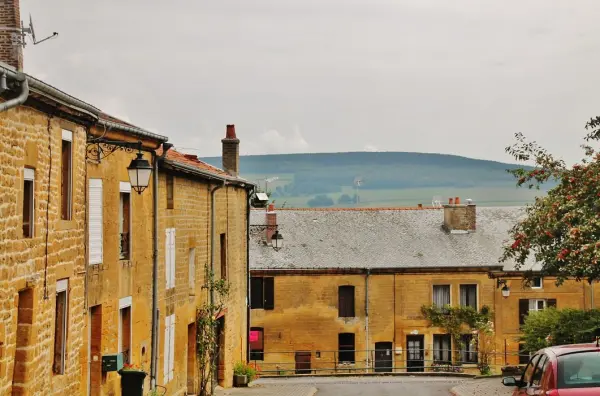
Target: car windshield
(579, 370)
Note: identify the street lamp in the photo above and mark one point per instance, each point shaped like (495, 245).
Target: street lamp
(505, 289)
(277, 240)
(139, 172)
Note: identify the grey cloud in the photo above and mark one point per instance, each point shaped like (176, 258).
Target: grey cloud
(409, 75)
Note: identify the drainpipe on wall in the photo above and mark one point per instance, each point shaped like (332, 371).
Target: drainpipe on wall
(248, 280)
(19, 100)
(213, 227)
(367, 314)
(155, 322)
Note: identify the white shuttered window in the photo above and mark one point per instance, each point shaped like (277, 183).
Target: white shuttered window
(169, 348)
(170, 257)
(95, 224)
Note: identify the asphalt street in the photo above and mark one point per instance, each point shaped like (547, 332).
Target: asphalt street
(373, 386)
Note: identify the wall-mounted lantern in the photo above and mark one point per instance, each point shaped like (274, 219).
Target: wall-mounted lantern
(277, 240)
(139, 172)
(505, 289)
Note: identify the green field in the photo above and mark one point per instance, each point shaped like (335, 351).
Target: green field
(389, 179)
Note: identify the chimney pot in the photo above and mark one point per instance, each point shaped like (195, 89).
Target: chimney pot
(457, 201)
(420, 206)
(230, 133)
(450, 201)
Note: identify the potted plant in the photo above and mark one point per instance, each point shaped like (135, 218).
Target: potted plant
(243, 374)
(132, 380)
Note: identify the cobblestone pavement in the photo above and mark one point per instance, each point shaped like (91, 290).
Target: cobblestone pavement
(488, 387)
(259, 389)
(372, 386)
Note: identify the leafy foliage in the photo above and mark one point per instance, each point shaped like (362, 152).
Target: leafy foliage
(241, 368)
(320, 201)
(207, 329)
(560, 230)
(454, 319)
(558, 327)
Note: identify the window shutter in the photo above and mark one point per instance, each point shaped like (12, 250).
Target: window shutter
(168, 258)
(257, 300)
(173, 257)
(95, 225)
(269, 287)
(172, 348)
(166, 347)
(551, 302)
(523, 310)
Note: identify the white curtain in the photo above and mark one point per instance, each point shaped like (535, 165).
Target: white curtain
(441, 295)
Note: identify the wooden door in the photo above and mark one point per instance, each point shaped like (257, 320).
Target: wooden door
(303, 363)
(383, 357)
(415, 361)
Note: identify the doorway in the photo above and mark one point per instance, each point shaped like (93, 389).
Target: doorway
(221, 352)
(191, 359)
(95, 350)
(383, 357)
(415, 361)
(303, 362)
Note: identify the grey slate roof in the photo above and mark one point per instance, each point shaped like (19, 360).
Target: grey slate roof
(326, 239)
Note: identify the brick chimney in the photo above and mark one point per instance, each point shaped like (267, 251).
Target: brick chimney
(11, 50)
(271, 222)
(231, 152)
(459, 218)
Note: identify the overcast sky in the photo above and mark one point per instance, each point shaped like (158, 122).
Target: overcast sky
(457, 77)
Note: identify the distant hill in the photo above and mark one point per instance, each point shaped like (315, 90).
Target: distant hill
(387, 178)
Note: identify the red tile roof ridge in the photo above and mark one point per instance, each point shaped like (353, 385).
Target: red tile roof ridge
(391, 208)
(187, 159)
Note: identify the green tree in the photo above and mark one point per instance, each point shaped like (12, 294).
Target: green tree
(560, 230)
(559, 327)
(320, 201)
(345, 199)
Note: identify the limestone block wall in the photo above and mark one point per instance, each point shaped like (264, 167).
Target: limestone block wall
(33, 266)
(191, 217)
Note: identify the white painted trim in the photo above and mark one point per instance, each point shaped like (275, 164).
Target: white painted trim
(125, 302)
(62, 285)
(28, 174)
(67, 135)
(125, 187)
(541, 286)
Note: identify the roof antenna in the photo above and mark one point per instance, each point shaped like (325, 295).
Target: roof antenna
(30, 30)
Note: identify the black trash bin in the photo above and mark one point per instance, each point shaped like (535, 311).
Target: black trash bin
(132, 382)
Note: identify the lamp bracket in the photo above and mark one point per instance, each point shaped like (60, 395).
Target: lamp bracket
(500, 282)
(98, 149)
(264, 227)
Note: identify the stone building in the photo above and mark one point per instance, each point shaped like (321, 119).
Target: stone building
(346, 289)
(203, 225)
(42, 236)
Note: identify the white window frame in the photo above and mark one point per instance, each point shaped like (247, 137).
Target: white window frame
(98, 184)
(476, 293)
(533, 304)
(192, 268)
(169, 349)
(170, 257)
(68, 137)
(125, 302)
(62, 285)
(29, 175)
(541, 286)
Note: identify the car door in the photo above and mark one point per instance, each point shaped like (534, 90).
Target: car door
(527, 376)
(535, 387)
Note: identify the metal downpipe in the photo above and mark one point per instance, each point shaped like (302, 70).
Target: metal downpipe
(19, 100)
(154, 351)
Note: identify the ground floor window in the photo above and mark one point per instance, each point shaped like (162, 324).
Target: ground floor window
(346, 348)
(257, 346)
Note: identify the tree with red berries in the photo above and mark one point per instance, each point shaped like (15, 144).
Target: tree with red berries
(562, 229)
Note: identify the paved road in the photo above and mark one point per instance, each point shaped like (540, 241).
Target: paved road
(373, 386)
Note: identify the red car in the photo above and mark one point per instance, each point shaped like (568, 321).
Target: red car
(566, 370)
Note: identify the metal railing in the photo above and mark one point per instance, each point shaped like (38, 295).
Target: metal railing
(124, 246)
(303, 362)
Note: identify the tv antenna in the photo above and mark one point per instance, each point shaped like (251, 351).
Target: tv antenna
(19, 34)
(358, 181)
(436, 202)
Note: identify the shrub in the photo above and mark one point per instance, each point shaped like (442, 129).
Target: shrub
(244, 369)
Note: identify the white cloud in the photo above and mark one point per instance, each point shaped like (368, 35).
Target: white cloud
(371, 148)
(272, 141)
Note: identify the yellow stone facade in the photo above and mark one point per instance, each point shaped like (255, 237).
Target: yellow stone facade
(30, 268)
(305, 315)
(190, 217)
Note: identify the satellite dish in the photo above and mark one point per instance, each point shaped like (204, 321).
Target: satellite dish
(31, 31)
(31, 28)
